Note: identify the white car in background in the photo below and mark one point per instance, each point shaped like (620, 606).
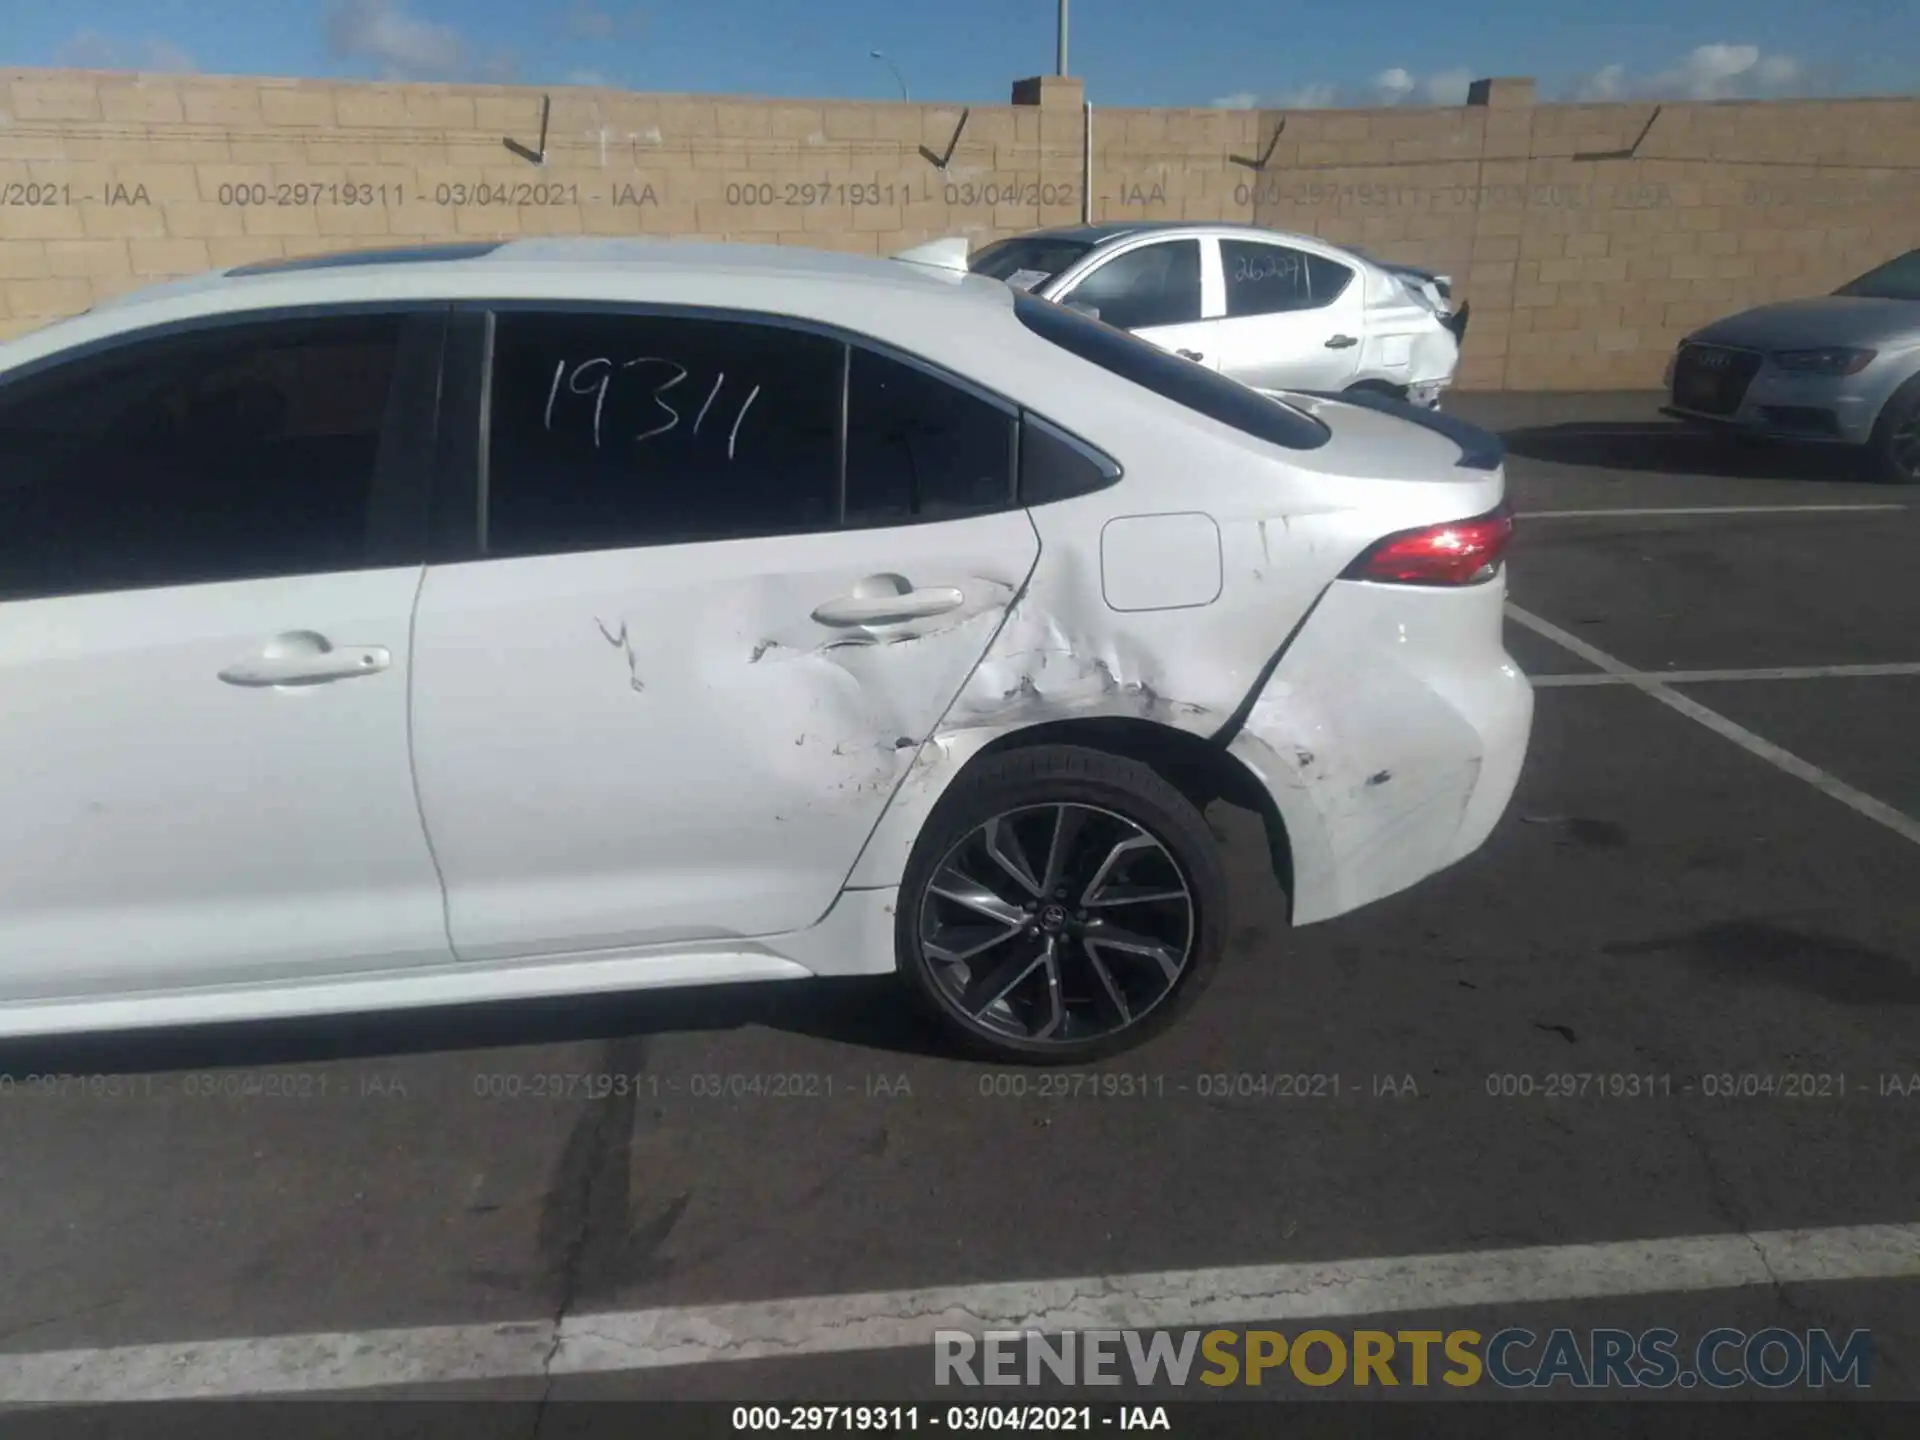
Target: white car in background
(1272, 310)
(555, 617)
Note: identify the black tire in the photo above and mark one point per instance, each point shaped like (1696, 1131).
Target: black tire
(1014, 788)
(1893, 452)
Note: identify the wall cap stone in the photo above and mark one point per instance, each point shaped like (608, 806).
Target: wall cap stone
(1507, 92)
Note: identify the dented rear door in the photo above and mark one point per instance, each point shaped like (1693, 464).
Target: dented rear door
(689, 739)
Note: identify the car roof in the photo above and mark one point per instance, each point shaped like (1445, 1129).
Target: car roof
(1109, 233)
(889, 299)
(566, 259)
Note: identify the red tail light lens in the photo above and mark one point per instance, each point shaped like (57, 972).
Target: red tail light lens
(1460, 552)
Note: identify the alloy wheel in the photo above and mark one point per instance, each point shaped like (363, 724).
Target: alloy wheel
(1904, 444)
(1057, 924)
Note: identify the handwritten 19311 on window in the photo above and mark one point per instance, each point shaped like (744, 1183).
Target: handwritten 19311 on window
(596, 377)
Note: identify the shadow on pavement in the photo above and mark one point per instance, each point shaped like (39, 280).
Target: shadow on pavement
(867, 1012)
(1678, 449)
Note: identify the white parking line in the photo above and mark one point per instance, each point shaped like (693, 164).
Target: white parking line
(1705, 510)
(840, 1324)
(1657, 686)
(1714, 677)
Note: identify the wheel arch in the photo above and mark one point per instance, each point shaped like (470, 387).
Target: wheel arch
(1199, 769)
(1900, 401)
(1379, 387)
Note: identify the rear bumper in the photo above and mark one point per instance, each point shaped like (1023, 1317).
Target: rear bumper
(1391, 737)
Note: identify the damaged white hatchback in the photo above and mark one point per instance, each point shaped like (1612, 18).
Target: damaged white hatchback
(485, 621)
(1271, 309)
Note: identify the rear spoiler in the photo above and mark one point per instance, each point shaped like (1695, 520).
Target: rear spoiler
(1479, 449)
(948, 253)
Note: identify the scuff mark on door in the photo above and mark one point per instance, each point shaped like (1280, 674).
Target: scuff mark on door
(621, 643)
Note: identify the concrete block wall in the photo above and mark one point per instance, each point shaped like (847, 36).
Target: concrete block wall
(1588, 237)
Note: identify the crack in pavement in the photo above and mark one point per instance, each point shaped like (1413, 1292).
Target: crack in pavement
(1721, 1196)
(591, 1175)
(7, 1336)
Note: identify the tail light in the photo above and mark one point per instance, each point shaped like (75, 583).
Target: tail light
(1460, 552)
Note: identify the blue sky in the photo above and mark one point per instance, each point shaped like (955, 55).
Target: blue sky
(1131, 52)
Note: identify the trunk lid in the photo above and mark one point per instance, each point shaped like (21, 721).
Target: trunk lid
(1376, 437)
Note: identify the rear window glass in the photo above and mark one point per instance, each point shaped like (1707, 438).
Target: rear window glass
(1170, 377)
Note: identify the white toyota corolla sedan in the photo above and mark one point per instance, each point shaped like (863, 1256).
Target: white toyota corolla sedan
(557, 617)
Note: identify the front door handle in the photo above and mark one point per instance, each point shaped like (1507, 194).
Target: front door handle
(303, 657)
(1189, 354)
(891, 609)
(1341, 342)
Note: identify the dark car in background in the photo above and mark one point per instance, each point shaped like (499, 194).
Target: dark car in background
(1840, 369)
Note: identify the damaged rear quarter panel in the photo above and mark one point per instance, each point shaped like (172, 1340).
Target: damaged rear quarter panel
(1395, 713)
(1063, 654)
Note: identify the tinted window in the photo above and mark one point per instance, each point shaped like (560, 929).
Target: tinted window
(1055, 466)
(921, 448)
(611, 431)
(1898, 279)
(1037, 255)
(1267, 279)
(1166, 375)
(1155, 284)
(230, 454)
(1326, 279)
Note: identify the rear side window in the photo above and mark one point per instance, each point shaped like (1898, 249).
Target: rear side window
(1264, 279)
(920, 447)
(1327, 279)
(615, 431)
(1055, 466)
(1168, 376)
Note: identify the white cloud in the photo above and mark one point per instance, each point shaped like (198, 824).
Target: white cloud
(90, 50)
(1393, 86)
(1609, 82)
(402, 45)
(593, 79)
(1712, 72)
(1321, 95)
(1720, 71)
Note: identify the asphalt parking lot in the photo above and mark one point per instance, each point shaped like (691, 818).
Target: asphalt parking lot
(1719, 902)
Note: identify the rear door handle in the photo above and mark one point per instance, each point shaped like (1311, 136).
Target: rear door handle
(851, 610)
(1341, 342)
(302, 657)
